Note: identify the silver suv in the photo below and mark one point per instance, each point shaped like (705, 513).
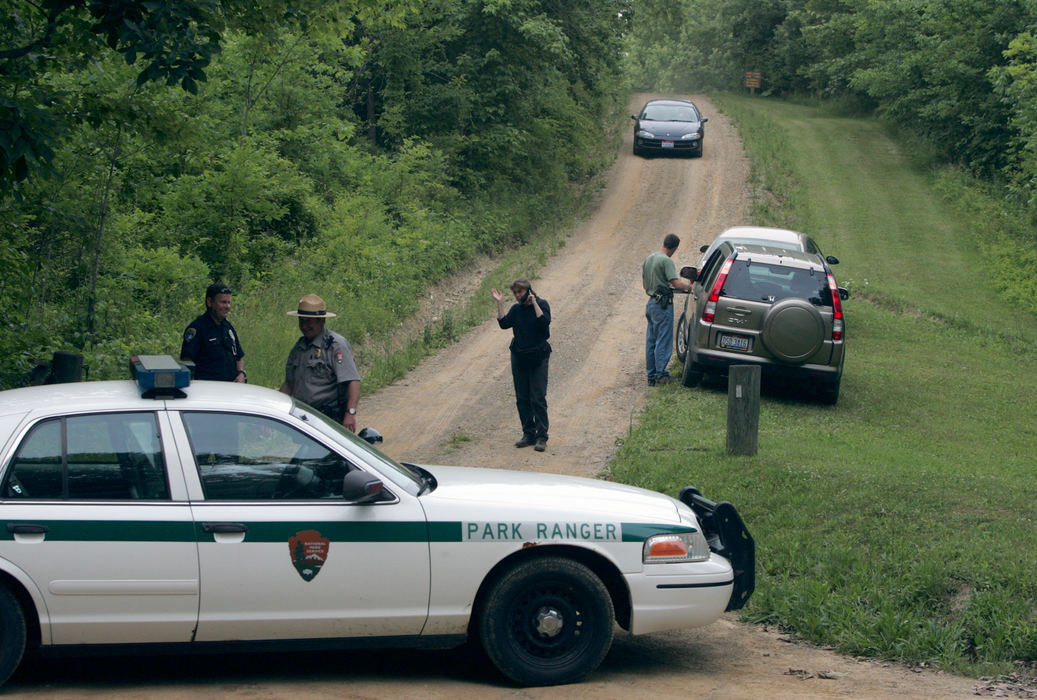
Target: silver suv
(764, 305)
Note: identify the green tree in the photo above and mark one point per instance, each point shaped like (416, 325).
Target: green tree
(928, 66)
(173, 42)
(1016, 83)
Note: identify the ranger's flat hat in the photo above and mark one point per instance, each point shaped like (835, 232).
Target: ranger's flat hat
(312, 306)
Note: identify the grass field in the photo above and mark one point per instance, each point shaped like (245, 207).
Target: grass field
(899, 523)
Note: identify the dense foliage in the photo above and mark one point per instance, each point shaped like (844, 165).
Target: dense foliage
(962, 74)
(362, 147)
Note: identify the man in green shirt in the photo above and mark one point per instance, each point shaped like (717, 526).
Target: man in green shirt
(659, 276)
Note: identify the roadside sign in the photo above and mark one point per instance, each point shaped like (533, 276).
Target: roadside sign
(752, 80)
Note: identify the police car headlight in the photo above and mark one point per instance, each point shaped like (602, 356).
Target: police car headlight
(679, 547)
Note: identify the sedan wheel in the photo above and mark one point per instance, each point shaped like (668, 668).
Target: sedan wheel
(12, 634)
(547, 621)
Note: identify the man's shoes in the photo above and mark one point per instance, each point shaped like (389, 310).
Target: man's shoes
(526, 441)
(541, 444)
(651, 381)
(665, 379)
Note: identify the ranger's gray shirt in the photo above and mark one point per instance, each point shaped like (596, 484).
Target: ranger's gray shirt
(315, 369)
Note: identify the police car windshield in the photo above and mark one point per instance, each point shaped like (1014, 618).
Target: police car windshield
(390, 467)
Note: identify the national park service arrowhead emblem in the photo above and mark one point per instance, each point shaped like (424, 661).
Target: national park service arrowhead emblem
(309, 551)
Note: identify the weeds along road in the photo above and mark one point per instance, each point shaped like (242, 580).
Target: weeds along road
(458, 408)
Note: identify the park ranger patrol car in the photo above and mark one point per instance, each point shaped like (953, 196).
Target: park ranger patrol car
(160, 511)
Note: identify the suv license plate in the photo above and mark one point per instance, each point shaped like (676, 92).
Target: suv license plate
(734, 342)
(667, 144)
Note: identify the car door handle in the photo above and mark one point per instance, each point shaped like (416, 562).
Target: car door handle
(739, 310)
(27, 529)
(225, 527)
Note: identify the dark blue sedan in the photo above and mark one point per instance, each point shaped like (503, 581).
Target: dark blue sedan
(669, 126)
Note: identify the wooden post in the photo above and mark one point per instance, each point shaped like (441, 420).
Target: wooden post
(743, 409)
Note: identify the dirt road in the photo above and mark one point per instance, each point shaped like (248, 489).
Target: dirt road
(458, 408)
(597, 382)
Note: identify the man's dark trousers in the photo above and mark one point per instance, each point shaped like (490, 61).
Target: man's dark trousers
(531, 394)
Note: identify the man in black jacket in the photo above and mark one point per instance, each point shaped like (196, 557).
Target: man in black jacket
(530, 320)
(211, 341)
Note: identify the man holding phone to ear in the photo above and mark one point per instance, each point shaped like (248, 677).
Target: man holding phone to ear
(530, 320)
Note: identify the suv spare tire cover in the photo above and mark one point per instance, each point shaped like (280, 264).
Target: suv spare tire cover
(793, 330)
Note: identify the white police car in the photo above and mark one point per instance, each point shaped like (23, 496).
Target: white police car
(158, 513)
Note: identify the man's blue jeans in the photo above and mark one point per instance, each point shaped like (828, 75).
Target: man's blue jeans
(659, 339)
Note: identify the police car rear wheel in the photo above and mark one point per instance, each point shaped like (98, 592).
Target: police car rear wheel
(547, 621)
(12, 634)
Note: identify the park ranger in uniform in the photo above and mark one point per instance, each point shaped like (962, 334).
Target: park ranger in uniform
(320, 369)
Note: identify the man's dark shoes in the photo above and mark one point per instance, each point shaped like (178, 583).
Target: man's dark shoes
(541, 444)
(665, 379)
(651, 381)
(526, 441)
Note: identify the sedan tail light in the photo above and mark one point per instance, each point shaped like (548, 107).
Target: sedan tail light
(709, 313)
(837, 309)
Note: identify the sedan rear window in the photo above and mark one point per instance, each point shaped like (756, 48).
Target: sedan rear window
(770, 283)
(108, 456)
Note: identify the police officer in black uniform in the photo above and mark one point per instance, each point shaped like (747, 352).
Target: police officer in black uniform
(211, 341)
(530, 321)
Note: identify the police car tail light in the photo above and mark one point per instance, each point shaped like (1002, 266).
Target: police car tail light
(678, 547)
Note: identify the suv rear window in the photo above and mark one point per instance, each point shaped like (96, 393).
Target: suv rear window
(758, 281)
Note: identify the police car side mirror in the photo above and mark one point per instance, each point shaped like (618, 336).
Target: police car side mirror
(844, 293)
(361, 487)
(688, 272)
(370, 435)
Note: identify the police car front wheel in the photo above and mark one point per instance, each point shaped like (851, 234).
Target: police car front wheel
(547, 621)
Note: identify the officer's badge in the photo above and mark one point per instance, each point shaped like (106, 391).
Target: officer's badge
(309, 551)
(339, 357)
(189, 334)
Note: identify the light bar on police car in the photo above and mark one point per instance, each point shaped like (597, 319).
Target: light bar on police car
(159, 374)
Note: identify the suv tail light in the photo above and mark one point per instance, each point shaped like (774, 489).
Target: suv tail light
(709, 313)
(837, 309)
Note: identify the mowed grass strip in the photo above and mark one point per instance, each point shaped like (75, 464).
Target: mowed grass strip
(900, 523)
